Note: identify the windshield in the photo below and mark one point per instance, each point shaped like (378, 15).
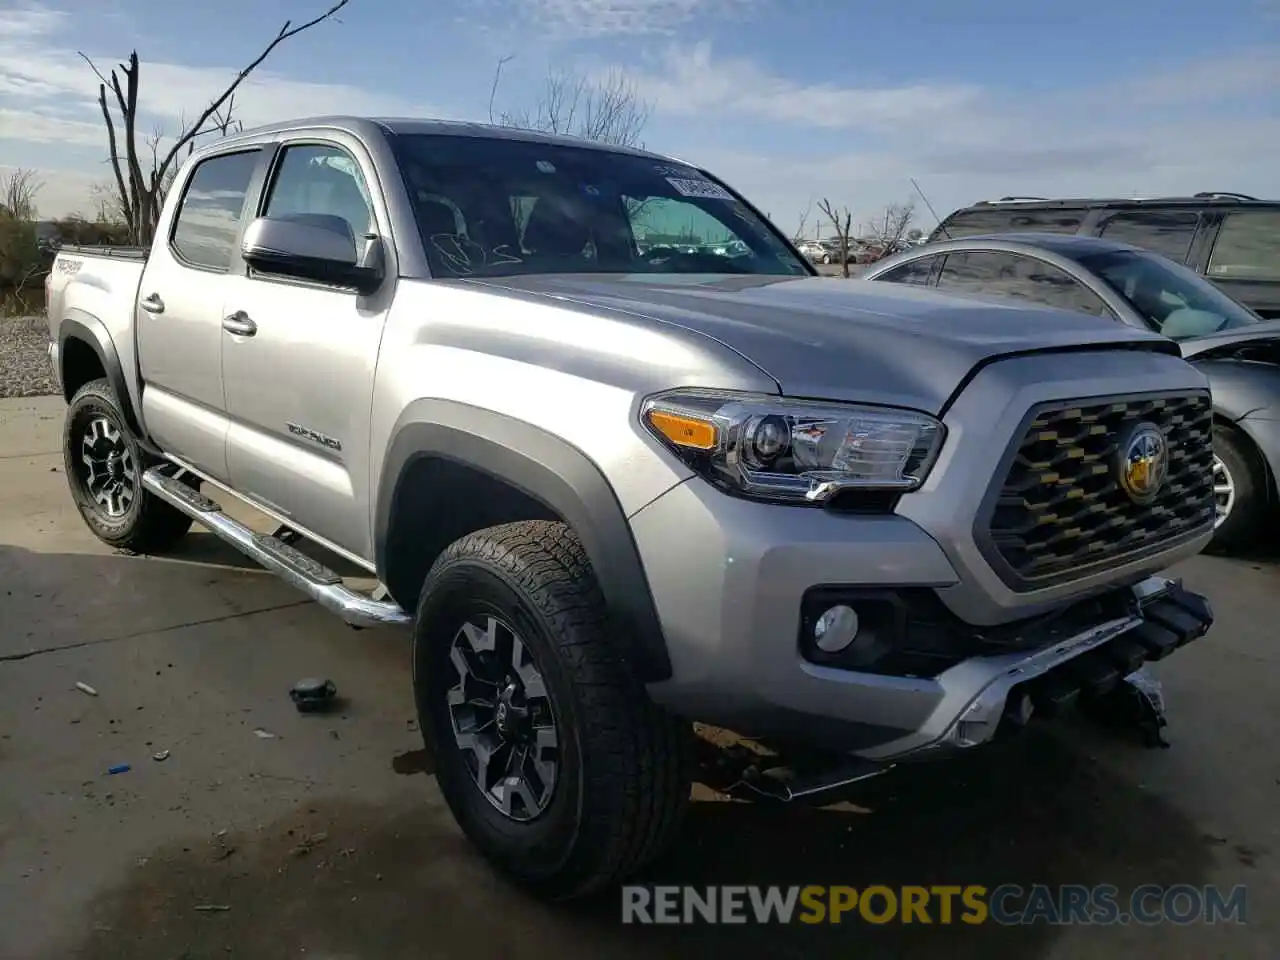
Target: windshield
(1175, 301)
(492, 207)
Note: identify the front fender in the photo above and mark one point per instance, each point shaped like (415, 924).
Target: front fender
(1240, 387)
(553, 473)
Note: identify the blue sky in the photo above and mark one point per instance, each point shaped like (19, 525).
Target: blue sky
(789, 102)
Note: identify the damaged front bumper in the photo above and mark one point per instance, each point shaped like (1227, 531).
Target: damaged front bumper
(1010, 688)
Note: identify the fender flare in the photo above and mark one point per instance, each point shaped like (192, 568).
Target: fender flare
(550, 471)
(89, 329)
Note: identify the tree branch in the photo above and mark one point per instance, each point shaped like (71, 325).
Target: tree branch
(286, 32)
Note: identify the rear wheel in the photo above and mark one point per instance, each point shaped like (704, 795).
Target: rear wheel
(104, 465)
(1239, 490)
(547, 749)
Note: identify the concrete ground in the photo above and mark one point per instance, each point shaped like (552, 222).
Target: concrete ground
(328, 839)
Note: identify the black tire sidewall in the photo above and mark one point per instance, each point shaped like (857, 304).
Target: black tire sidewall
(461, 589)
(93, 400)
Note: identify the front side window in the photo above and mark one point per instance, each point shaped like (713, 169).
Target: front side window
(1168, 233)
(491, 206)
(1172, 299)
(1001, 274)
(322, 183)
(1248, 247)
(204, 231)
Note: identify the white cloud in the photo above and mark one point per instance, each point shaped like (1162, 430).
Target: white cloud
(584, 19)
(690, 80)
(48, 94)
(1181, 131)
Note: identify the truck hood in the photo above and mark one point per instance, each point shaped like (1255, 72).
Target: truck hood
(839, 339)
(1259, 342)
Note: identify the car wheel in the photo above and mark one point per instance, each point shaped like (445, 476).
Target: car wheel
(104, 466)
(1239, 490)
(547, 749)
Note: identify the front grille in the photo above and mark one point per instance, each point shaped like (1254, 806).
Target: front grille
(1061, 512)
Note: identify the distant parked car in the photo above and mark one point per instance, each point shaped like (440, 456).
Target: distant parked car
(1231, 238)
(1237, 349)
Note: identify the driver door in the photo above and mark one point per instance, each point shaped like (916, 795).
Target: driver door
(298, 367)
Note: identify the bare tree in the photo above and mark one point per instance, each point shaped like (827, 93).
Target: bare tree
(141, 192)
(610, 110)
(798, 236)
(18, 194)
(891, 227)
(842, 221)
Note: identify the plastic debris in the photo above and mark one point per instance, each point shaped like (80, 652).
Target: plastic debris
(313, 694)
(264, 734)
(212, 907)
(160, 757)
(118, 768)
(85, 688)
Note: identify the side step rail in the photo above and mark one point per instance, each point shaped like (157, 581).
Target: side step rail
(292, 565)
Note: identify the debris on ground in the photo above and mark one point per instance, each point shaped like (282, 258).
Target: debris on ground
(118, 768)
(212, 907)
(313, 694)
(264, 734)
(85, 688)
(161, 756)
(308, 843)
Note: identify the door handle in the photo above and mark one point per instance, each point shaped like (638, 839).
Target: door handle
(239, 324)
(152, 303)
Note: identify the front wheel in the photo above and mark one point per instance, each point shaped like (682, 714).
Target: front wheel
(104, 465)
(1239, 491)
(547, 749)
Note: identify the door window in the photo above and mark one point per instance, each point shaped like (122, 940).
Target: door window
(996, 273)
(1168, 233)
(204, 232)
(1008, 218)
(322, 183)
(1248, 247)
(917, 272)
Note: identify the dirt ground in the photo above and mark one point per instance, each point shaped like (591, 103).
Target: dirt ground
(327, 838)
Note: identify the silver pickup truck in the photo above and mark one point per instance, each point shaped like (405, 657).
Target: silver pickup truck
(623, 463)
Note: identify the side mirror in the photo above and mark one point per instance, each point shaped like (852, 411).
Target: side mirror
(309, 247)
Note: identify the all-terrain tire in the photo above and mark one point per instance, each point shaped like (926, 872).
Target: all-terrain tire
(146, 524)
(1248, 477)
(624, 765)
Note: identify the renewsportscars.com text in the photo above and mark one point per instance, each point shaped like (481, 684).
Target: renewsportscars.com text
(1007, 904)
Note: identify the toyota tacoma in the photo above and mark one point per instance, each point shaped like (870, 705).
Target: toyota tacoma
(624, 464)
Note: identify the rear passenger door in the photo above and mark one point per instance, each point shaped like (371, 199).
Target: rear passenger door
(995, 273)
(179, 312)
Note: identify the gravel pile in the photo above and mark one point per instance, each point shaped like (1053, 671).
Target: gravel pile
(24, 358)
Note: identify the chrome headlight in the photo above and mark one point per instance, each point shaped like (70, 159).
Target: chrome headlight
(795, 450)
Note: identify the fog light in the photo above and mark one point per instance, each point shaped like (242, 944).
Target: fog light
(836, 628)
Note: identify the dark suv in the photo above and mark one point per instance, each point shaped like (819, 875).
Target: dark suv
(1230, 238)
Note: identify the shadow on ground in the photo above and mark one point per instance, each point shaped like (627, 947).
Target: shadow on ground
(336, 879)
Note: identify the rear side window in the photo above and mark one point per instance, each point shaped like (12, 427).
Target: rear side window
(1010, 275)
(1168, 233)
(204, 232)
(917, 272)
(1248, 247)
(1007, 219)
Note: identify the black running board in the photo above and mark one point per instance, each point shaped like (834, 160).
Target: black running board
(317, 581)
